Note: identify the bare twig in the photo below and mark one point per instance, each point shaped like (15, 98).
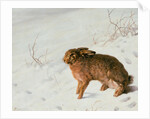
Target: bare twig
(123, 26)
(93, 108)
(56, 81)
(32, 53)
(94, 39)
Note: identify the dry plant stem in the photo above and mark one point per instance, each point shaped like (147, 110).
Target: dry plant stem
(93, 108)
(123, 26)
(94, 39)
(116, 26)
(46, 55)
(56, 81)
(32, 54)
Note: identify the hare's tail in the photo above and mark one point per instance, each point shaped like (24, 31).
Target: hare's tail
(130, 79)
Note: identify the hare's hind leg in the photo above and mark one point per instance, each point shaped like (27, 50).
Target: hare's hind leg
(119, 90)
(117, 86)
(103, 87)
(82, 89)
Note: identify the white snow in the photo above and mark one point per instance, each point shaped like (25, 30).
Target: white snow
(51, 86)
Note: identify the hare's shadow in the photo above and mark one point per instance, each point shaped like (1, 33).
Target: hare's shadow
(128, 90)
(131, 89)
(89, 95)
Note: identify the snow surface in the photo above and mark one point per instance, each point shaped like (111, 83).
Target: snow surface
(51, 86)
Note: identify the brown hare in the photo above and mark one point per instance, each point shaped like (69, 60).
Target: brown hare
(86, 65)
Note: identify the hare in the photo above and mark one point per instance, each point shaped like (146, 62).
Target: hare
(86, 65)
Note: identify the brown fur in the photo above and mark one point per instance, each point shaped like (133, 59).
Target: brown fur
(86, 65)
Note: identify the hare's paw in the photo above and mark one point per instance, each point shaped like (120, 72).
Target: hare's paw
(118, 92)
(104, 87)
(79, 97)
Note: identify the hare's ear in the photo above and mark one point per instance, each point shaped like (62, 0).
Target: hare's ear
(87, 52)
(82, 48)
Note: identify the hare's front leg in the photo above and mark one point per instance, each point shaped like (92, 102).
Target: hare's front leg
(82, 89)
(78, 87)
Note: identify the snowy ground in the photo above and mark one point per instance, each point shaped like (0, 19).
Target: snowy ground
(51, 86)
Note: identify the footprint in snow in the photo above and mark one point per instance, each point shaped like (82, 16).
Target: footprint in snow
(59, 107)
(133, 104)
(135, 54)
(116, 108)
(15, 84)
(125, 99)
(118, 46)
(28, 92)
(128, 61)
(43, 99)
(122, 51)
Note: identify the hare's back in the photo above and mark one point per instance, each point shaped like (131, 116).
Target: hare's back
(112, 67)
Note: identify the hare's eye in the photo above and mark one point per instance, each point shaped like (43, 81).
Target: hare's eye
(71, 54)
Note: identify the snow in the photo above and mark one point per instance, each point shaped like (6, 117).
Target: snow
(51, 86)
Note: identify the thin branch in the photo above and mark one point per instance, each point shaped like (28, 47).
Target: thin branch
(32, 53)
(122, 27)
